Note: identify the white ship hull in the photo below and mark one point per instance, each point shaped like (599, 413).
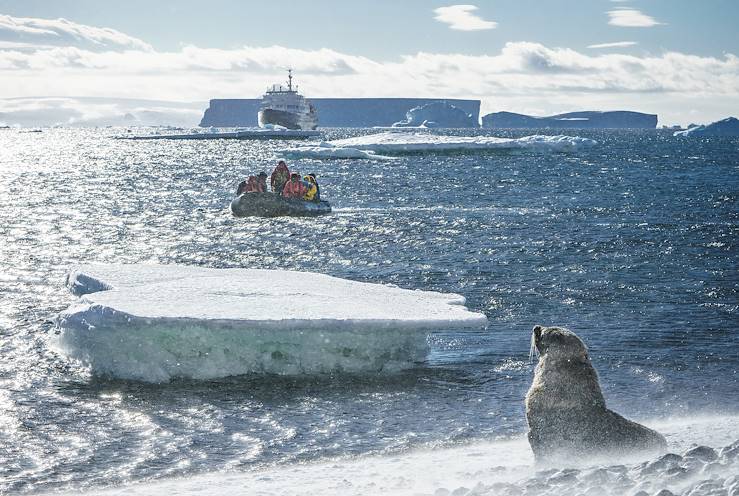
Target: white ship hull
(290, 120)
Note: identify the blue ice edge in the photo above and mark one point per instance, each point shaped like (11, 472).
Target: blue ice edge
(156, 323)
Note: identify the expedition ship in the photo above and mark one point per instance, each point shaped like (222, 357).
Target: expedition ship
(286, 107)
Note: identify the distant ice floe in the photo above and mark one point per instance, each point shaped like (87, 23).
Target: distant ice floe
(489, 468)
(326, 150)
(154, 323)
(267, 132)
(390, 142)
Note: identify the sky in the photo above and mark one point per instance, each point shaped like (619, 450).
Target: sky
(676, 58)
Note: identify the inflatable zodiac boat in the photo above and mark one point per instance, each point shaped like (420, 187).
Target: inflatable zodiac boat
(272, 205)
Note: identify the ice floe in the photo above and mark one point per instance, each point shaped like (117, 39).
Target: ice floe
(490, 468)
(390, 142)
(271, 132)
(326, 150)
(155, 322)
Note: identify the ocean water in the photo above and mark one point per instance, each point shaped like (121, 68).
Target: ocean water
(632, 243)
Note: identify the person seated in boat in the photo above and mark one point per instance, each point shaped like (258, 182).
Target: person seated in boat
(280, 176)
(312, 194)
(254, 184)
(262, 182)
(241, 188)
(295, 187)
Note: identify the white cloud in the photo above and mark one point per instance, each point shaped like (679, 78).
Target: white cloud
(461, 18)
(51, 111)
(631, 18)
(27, 31)
(617, 44)
(520, 77)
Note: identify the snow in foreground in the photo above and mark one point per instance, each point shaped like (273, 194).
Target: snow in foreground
(155, 322)
(497, 468)
(410, 142)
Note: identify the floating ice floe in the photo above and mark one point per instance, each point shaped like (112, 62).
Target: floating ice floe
(326, 150)
(270, 132)
(414, 142)
(155, 323)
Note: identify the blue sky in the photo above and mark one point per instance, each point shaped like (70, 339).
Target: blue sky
(387, 28)
(676, 58)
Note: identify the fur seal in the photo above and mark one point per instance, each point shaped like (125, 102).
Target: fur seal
(565, 408)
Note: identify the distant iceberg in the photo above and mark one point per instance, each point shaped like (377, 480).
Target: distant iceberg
(438, 114)
(154, 323)
(333, 112)
(618, 119)
(393, 142)
(724, 127)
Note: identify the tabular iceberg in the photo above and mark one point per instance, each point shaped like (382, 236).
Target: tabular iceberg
(332, 112)
(155, 323)
(394, 142)
(619, 119)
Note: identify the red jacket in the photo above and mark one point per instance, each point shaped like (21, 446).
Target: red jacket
(294, 189)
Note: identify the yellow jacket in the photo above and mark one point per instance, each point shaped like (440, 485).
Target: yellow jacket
(312, 188)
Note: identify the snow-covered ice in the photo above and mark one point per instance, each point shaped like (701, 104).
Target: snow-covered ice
(413, 142)
(155, 322)
(438, 114)
(490, 468)
(325, 150)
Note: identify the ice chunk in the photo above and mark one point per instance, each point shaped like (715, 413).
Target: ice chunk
(438, 114)
(154, 323)
(410, 142)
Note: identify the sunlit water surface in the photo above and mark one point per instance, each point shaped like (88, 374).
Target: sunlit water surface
(632, 244)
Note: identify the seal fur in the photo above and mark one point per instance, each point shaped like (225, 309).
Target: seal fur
(565, 408)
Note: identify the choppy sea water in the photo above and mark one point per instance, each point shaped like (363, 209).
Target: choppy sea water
(631, 243)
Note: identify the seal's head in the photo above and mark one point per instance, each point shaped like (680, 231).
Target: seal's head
(557, 343)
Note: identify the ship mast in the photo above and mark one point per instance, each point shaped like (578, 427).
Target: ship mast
(289, 80)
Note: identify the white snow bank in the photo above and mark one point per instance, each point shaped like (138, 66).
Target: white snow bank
(496, 468)
(409, 142)
(154, 323)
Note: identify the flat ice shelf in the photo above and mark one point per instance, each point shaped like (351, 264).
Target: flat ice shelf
(394, 142)
(252, 133)
(157, 322)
